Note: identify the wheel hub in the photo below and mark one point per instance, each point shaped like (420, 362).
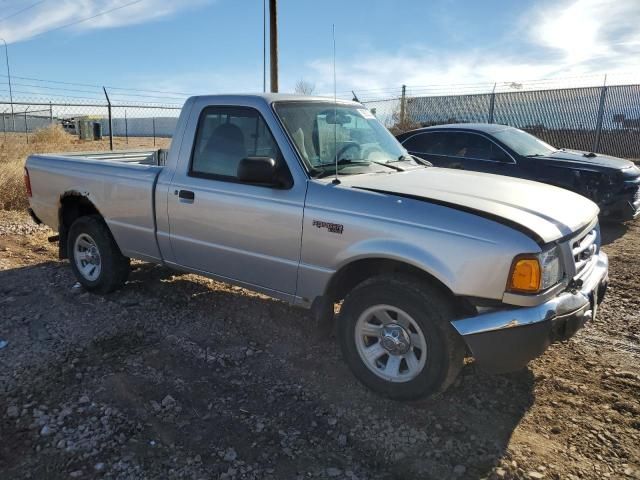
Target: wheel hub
(93, 256)
(395, 339)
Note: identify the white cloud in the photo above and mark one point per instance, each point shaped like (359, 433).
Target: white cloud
(578, 40)
(54, 14)
(583, 30)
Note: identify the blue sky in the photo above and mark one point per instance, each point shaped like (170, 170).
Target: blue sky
(214, 46)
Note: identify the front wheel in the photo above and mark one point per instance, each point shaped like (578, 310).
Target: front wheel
(95, 257)
(396, 337)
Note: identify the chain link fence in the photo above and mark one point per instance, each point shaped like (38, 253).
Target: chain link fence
(600, 119)
(19, 121)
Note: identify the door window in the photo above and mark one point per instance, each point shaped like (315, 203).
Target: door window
(473, 147)
(225, 136)
(433, 143)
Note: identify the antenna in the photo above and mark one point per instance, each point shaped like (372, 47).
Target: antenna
(335, 103)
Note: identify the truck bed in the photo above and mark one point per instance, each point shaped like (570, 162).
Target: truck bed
(121, 186)
(141, 157)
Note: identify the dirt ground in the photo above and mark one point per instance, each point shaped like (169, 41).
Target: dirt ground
(177, 376)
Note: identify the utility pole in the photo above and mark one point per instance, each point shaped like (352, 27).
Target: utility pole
(6, 56)
(264, 45)
(273, 37)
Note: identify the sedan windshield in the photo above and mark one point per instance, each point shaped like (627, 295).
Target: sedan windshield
(524, 143)
(326, 133)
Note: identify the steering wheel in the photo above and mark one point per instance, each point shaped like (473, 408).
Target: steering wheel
(347, 146)
(366, 153)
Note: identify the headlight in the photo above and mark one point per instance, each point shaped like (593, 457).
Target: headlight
(535, 273)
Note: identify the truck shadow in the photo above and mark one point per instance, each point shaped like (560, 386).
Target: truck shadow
(233, 360)
(612, 231)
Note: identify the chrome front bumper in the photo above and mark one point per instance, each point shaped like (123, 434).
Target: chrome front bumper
(507, 339)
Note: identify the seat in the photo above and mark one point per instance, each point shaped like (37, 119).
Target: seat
(224, 150)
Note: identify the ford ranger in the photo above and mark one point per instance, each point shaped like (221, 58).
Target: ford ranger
(314, 202)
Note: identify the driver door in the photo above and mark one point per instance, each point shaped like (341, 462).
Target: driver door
(218, 224)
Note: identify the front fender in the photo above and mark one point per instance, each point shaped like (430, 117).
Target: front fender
(398, 250)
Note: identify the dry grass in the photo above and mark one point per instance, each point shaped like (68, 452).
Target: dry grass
(14, 151)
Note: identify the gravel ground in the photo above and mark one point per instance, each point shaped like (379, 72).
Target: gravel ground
(177, 376)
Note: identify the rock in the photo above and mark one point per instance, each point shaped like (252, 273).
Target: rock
(342, 440)
(84, 399)
(556, 429)
(76, 474)
(535, 475)
(459, 469)
(333, 472)
(98, 467)
(230, 455)
(332, 420)
(13, 411)
(156, 406)
(168, 401)
(46, 431)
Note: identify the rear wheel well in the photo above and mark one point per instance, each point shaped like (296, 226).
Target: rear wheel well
(72, 207)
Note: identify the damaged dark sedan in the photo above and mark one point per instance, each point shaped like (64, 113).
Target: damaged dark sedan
(613, 183)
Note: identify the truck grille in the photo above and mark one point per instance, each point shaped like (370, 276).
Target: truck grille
(584, 248)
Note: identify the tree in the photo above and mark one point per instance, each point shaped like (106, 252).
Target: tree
(304, 88)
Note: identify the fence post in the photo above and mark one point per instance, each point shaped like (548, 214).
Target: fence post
(492, 103)
(50, 113)
(126, 127)
(26, 129)
(110, 119)
(4, 127)
(403, 99)
(153, 123)
(596, 140)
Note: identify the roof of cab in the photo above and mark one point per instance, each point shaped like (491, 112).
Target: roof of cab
(272, 97)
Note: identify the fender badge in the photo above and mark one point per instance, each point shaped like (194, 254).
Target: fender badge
(331, 227)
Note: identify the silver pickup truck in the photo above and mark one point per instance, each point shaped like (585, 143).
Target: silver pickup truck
(314, 202)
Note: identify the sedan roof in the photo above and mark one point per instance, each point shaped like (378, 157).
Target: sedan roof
(475, 127)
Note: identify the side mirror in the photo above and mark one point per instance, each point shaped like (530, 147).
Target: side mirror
(260, 170)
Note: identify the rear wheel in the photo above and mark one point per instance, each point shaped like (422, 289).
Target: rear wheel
(396, 336)
(95, 257)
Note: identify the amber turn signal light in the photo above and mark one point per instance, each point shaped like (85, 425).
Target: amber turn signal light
(525, 276)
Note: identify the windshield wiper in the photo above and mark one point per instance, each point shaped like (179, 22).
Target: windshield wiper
(344, 161)
(402, 158)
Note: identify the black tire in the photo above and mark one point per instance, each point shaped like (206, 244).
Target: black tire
(114, 267)
(430, 308)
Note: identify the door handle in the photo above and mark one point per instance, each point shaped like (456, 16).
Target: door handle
(186, 195)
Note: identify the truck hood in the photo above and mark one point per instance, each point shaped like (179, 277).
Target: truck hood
(548, 212)
(577, 157)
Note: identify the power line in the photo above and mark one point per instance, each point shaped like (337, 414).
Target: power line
(22, 10)
(86, 19)
(74, 90)
(99, 87)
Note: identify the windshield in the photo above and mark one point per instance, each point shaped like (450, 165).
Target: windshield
(326, 132)
(524, 143)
